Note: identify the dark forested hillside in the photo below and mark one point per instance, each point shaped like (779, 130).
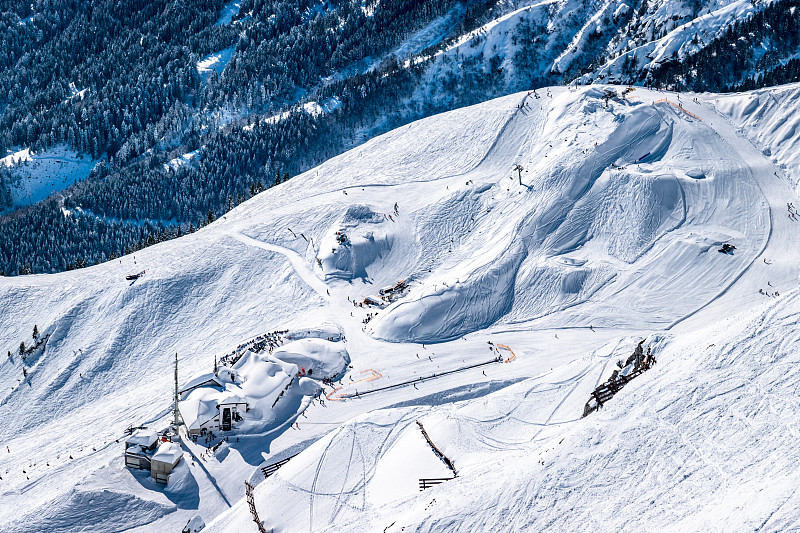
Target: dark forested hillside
(118, 80)
(144, 102)
(755, 52)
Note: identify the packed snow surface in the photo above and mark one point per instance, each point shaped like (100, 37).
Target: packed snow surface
(35, 176)
(770, 118)
(553, 231)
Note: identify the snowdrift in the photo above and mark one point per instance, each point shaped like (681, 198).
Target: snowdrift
(263, 390)
(356, 243)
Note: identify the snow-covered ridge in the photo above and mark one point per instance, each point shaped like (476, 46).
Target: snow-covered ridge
(771, 119)
(584, 42)
(678, 42)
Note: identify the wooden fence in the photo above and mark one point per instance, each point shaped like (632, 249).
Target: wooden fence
(271, 469)
(678, 106)
(251, 502)
(606, 391)
(428, 482)
(437, 451)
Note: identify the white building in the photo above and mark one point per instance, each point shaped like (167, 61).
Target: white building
(164, 460)
(138, 447)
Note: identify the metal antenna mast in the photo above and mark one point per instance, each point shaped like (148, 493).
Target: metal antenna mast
(178, 419)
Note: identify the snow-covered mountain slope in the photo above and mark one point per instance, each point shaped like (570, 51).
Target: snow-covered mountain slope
(550, 42)
(770, 119)
(669, 31)
(38, 175)
(563, 224)
(703, 442)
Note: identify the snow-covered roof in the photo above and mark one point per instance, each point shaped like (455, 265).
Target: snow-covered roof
(231, 399)
(209, 380)
(168, 452)
(134, 448)
(199, 406)
(142, 437)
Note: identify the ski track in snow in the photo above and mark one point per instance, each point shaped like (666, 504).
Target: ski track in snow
(298, 263)
(774, 201)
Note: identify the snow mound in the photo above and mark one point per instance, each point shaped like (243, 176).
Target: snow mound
(263, 390)
(581, 189)
(326, 359)
(448, 311)
(104, 510)
(356, 243)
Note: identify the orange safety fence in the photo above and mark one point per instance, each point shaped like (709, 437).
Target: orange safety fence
(372, 377)
(513, 355)
(679, 107)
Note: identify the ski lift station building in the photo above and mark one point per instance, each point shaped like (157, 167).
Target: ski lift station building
(145, 449)
(206, 405)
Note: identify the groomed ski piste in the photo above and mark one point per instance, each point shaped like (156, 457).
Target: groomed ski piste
(565, 225)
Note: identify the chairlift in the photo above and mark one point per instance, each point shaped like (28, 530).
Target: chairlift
(132, 277)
